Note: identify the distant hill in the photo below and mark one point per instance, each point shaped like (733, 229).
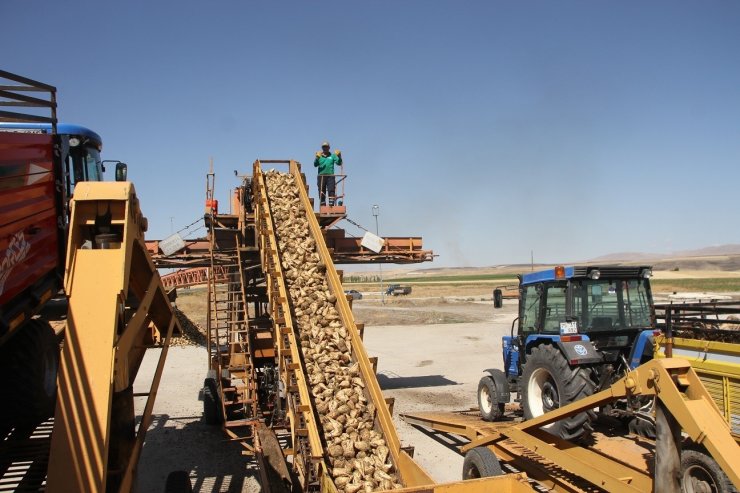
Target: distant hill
(711, 251)
(627, 257)
(719, 258)
(731, 249)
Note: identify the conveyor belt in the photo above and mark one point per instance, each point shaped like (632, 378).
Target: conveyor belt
(289, 311)
(320, 412)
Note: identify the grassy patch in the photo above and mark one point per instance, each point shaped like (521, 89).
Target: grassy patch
(710, 284)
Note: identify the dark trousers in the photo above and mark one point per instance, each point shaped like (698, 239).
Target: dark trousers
(327, 185)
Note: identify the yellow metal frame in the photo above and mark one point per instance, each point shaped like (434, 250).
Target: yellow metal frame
(675, 383)
(720, 377)
(117, 309)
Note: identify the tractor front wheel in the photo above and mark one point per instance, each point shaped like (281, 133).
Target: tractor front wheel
(488, 403)
(549, 382)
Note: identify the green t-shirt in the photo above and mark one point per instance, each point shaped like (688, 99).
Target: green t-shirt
(326, 163)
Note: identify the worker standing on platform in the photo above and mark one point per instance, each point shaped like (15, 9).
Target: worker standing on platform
(326, 181)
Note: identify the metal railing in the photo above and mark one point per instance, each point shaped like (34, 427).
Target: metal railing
(13, 94)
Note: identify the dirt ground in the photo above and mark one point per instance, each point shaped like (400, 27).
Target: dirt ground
(431, 351)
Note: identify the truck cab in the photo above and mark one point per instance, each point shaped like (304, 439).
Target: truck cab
(80, 149)
(38, 173)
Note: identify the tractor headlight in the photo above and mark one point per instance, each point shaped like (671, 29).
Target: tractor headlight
(594, 274)
(646, 273)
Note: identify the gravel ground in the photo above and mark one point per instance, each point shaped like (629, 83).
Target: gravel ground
(424, 367)
(179, 439)
(436, 368)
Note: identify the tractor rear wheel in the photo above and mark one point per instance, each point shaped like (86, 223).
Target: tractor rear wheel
(481, 462)
(490, 408)
(549, 382)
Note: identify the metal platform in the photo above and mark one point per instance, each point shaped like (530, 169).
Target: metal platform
(459, 428)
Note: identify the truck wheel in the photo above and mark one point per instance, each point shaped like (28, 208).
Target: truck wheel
(549, 382)
(211, 401)
(490, 408)
(701, 474)
(30, 363)
(481, 462)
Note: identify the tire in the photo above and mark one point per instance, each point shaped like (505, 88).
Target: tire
(490, 408)
(211, 400)
(178, 482)
(700, 474)
(30, 363)
(548, 382)
(481, 462)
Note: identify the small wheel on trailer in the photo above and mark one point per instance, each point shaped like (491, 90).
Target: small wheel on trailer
(488, 400)
(549, 382)
(701, 474)
(481, 462)
(211, 399)
(178, 482)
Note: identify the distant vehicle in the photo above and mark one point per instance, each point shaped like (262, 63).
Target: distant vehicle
(397, 289)
(356, 295)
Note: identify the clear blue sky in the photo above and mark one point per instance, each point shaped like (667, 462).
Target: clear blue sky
(490, 128)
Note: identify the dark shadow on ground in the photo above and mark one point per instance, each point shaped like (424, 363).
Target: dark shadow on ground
(186, 443)
(393, 381)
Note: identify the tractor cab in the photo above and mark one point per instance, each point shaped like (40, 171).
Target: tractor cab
(606, 306)
(579, 329)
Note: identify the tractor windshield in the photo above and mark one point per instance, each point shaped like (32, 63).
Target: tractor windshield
(611, 304)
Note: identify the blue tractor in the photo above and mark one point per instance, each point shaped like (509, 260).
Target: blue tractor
(579, 329)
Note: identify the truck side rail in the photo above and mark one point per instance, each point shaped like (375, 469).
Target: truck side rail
(13, 89)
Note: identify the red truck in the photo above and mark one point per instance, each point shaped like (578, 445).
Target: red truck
(40, 162)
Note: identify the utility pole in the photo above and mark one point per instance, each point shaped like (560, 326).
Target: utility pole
(376, 213)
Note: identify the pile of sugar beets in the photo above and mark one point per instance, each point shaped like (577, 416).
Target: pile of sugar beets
(358, 454)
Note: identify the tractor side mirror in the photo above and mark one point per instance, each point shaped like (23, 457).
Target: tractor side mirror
(121, 171)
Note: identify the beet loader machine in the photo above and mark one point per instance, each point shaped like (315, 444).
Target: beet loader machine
(290, 380)
(288, 376)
